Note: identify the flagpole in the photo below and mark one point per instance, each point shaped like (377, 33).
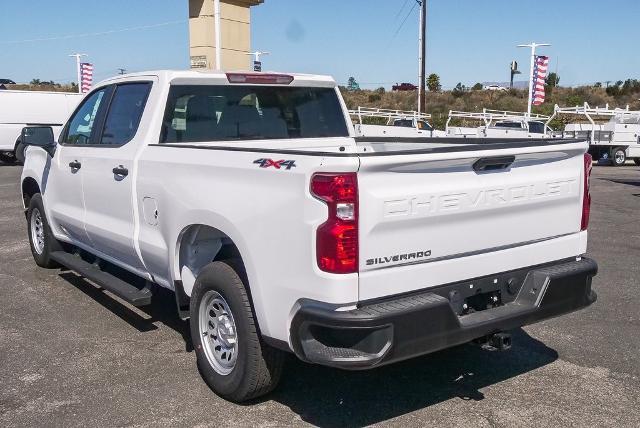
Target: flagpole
(77, 57)
(533, 47)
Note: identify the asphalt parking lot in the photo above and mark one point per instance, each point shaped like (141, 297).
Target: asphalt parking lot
(70, 355)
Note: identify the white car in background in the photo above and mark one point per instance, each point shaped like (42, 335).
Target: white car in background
(494, 88)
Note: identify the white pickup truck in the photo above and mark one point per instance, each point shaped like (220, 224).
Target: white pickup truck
(280, 231)
(397, 123)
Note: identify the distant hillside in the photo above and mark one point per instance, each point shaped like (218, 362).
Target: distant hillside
(439, 104)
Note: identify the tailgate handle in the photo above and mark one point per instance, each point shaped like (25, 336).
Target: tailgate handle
(493, 164)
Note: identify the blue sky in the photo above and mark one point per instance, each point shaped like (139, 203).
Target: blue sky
(468, 40)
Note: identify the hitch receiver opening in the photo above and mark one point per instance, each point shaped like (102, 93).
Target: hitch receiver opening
(495, 342)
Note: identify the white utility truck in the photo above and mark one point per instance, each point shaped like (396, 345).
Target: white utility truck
(617, 138)
(279, 230)
(31, 108)
(395, 123)
(498, 124)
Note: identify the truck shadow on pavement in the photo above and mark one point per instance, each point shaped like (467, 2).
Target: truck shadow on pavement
(162, 308)
(326, 397)
(329, 397)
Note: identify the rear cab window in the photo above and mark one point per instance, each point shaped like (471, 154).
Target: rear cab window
(202, 113)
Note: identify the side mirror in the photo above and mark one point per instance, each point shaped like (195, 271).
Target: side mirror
(39, 136)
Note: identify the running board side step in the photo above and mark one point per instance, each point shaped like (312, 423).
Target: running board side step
(135, 296)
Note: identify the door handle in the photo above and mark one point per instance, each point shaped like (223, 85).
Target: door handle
(75, 165)
(120, 171)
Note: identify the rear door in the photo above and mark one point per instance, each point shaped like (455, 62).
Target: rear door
(431, 219)
(108, 179)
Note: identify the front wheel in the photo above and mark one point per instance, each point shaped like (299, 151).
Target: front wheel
(637, 161)
(8, 158)
(233, 360)
(20, 153)
(618, 156)
(41, 240)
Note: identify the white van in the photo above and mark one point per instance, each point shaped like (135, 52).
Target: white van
(31, 108)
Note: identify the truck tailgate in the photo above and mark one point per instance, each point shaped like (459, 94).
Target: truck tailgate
(432, 217)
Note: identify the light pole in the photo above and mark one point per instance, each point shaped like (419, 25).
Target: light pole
(533, 47)
(422, 88)
(77, 57)
(257, 65)
(514, 71)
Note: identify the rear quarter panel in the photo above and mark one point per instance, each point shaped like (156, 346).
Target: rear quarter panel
(269, 214)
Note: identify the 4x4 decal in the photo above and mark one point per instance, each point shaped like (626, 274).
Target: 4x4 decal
(268, 163)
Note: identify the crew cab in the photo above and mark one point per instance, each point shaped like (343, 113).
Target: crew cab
(250, 196)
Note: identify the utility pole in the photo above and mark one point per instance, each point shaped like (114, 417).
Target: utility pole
(533, 47)
(257, 64)
(217, 23)
(422, 88)
(78, 57)
(122, 71)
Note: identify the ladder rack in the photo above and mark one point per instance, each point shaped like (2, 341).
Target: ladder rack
(388, 114)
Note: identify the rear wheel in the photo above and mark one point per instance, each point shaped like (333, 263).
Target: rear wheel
(618, 156)
(41, 240)
(637, 161)
(233, 360)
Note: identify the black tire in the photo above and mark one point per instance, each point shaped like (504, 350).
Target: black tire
(618, 156)
(637, 161)
(20, 153)
(258, 366)
(42, 257)
(7, 158)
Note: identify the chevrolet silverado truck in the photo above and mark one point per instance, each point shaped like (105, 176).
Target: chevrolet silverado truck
(279, 230)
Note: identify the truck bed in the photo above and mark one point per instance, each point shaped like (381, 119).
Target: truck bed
(405, 146)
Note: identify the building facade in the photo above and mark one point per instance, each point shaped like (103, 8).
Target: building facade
(235, 19)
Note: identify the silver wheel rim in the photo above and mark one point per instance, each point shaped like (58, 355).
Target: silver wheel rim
(37, 231)
(218, 332)
(620, 157)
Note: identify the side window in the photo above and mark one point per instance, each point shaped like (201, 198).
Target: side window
(81, 124)
(125, 112)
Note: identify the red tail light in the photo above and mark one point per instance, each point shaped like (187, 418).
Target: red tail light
(337, 238)
(586, 199)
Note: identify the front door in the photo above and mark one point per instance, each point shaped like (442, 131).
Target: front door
(65, 204)
(108, 181)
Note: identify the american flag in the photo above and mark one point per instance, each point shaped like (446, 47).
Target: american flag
(86, 77)
(539, 75)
